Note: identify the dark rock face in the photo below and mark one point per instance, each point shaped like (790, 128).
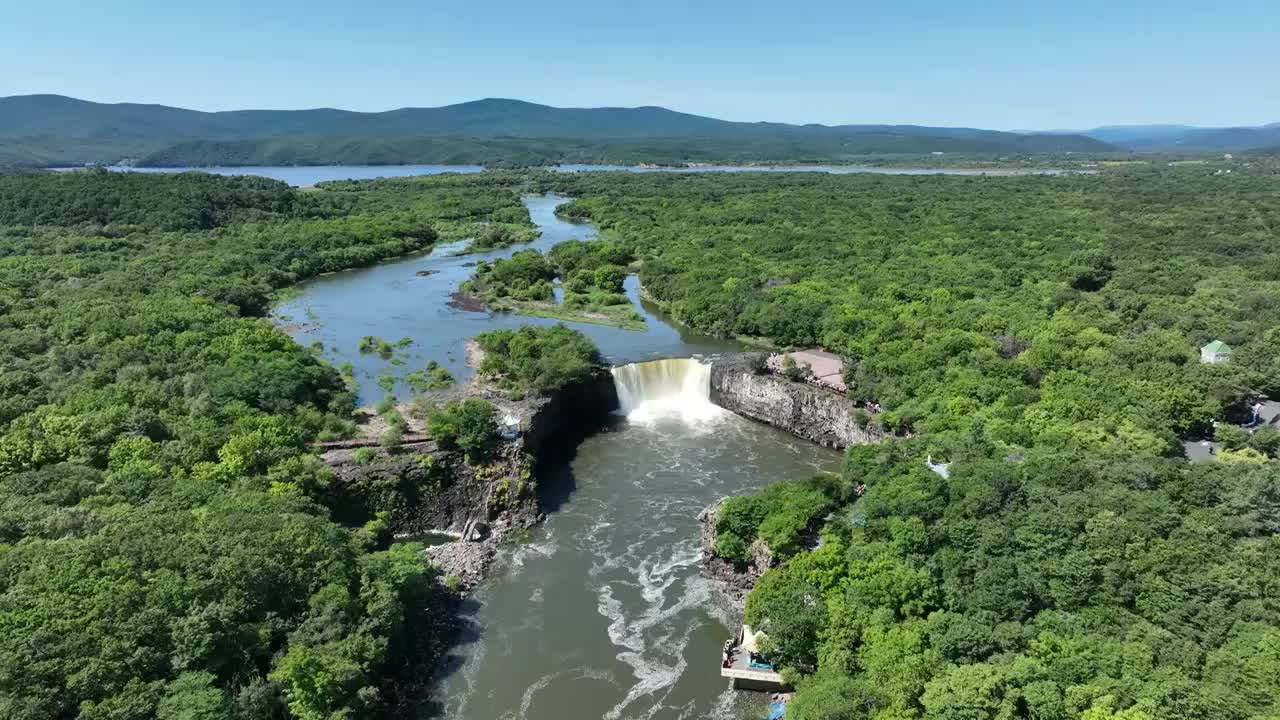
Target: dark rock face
(570, 414)
(815, 414)
(426, 488)
(735, 581)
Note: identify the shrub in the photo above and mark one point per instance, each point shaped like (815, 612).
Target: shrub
(794, 371)
(386, 404)
(1230, 437)
(1266, 440)
(387, 381)
(433, 377)
(537, 359)
(731, 547)
(372, 344)
(470, 426)
(364, 455)
(392, 437)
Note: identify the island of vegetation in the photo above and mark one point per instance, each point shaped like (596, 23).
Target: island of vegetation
(589, 274)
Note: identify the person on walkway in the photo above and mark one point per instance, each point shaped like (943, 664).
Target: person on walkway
(1257, 414)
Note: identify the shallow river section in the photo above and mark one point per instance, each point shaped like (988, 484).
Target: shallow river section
(393, 300)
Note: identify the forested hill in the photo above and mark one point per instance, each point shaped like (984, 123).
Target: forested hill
(535, 152)
(1182, 138)
(37, 129)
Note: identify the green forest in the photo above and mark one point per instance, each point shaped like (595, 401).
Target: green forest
(165, 550)
(1040, 335)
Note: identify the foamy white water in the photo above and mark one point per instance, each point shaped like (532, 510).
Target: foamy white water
(601, 613)
(677, 388)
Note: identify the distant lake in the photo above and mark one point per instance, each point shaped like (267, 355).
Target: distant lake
(310, 175)
(829, 169)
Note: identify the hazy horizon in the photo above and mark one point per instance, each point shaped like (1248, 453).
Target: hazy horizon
(1000, 65)
(636, 106)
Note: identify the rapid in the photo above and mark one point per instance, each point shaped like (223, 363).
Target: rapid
(602, 613)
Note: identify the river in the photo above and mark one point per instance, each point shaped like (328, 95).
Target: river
(600, 612)
(393, 301)
(306, 176)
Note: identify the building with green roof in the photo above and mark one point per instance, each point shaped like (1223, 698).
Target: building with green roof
(1215, 352)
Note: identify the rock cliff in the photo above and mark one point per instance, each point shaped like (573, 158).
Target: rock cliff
(423, 488)
(735, 581)
(813, 413)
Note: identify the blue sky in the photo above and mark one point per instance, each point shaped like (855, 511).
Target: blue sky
(999, 64)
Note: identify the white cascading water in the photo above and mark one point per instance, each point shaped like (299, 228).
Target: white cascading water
(675, 388)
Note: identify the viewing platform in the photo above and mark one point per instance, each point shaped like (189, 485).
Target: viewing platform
(747, 675)
(827, 368)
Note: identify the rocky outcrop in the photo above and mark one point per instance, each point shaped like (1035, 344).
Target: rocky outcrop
(735, 580)
(568, 415)
(813, 413)
(423, 488)
(465, 565)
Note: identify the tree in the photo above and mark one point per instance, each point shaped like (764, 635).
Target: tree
(1091, 269)
(192, 696)
(795, 371)
(967, 692)
(790, 611)
(469, 425)
(827, 696)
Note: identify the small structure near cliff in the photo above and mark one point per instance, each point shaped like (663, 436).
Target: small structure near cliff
(746, 669)
(813, 413)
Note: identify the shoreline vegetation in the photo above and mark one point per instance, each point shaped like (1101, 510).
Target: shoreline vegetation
(995, 164)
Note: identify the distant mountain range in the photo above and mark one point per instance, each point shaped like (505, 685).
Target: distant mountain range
(51, 129)
(43, 130)
(1184, 138)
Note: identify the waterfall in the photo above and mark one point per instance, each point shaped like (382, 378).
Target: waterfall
(676, 388)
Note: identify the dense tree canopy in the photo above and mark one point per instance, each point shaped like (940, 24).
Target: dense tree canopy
(536, 359)
(1060, 310)
(1041, 334)
(163, 549)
